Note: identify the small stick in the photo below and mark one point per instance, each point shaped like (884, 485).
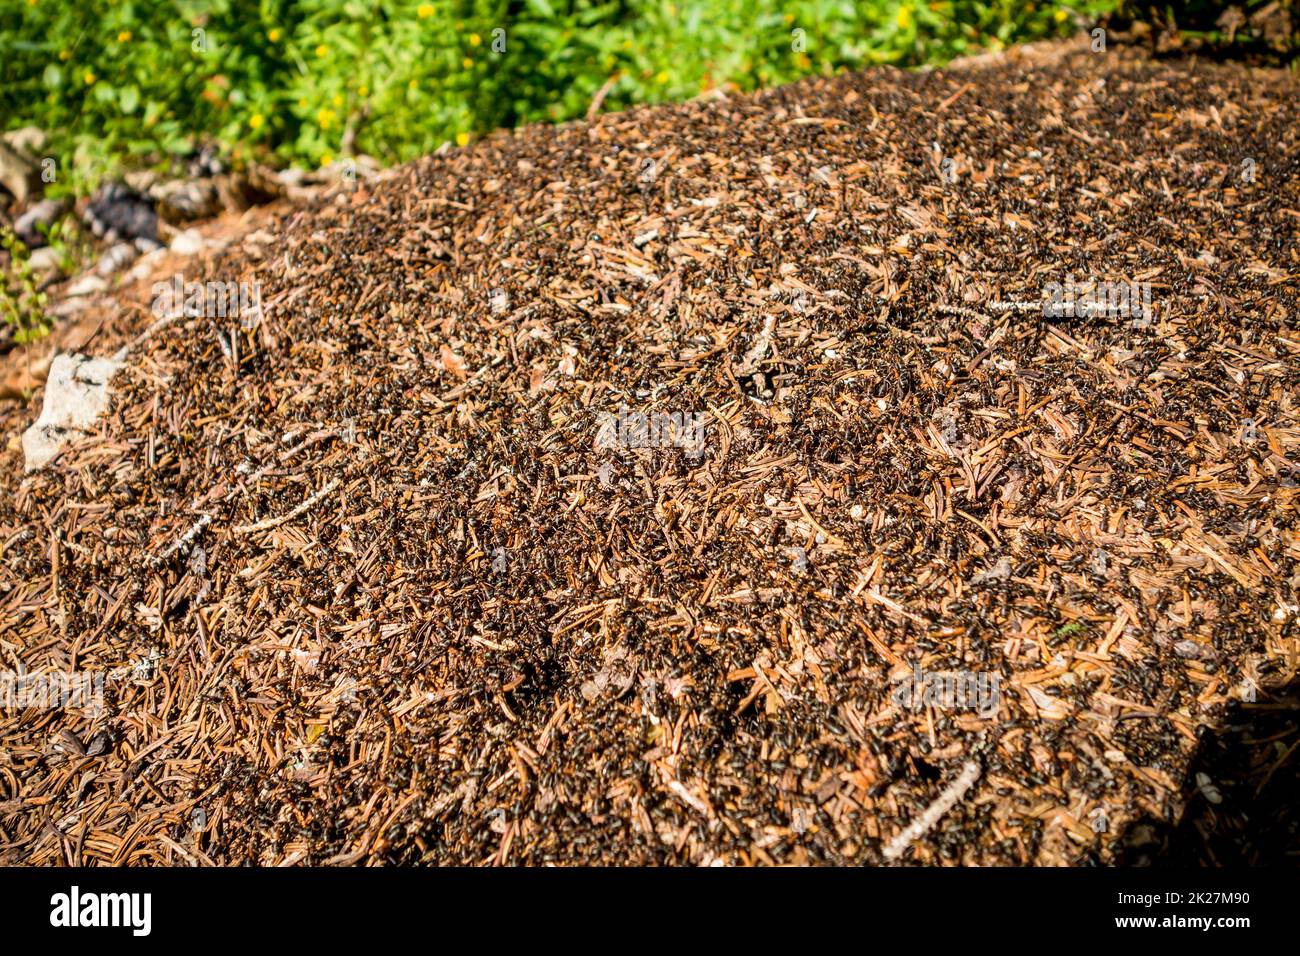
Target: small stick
(166, 320)
(184, 539)
(598, 100)
(751, 360)
(267, 524)
(953, 99)
(963, 311)
(206, 519)
(688, 798)
(919, 827)
(312, 439)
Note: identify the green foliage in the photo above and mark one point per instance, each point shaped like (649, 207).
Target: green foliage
(21, 304)
(304, 81)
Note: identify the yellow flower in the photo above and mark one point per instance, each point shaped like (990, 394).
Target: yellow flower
(467, 63)
(413, 84)
(424, 11)
(903, 19)
(363, 90)
(462, 139)
(322, 51)
(661, 78)
(789, 19)
(88, 77)
(65, 55)
(255, 121)
(31, 3)
(338, 99)
(326, 159)
(302, 103)
(276, 35)
(475, 39)
(324, 118)
(803, 62)
(124, 36)
(1061, 16)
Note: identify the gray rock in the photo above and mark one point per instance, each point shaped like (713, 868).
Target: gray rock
(33, 225)
(76, 394)
(118, 212)
(116, 258)
(45, 261)
(66, 308)
(141, 180)
(183, 200)
(145, 265)
(88, 284)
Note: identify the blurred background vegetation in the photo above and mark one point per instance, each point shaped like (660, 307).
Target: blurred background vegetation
(132, 82)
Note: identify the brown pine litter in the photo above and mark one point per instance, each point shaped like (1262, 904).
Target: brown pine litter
(368, 591)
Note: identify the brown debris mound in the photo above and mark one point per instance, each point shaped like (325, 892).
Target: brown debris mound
(367, 587)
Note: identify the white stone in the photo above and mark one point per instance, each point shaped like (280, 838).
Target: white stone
(76, 394)
(187, 243)
(44, 261)
(87, 284)
(116, 258)
(145, 265)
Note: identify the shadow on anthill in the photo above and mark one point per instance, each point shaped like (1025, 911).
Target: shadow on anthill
(1241, 795)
